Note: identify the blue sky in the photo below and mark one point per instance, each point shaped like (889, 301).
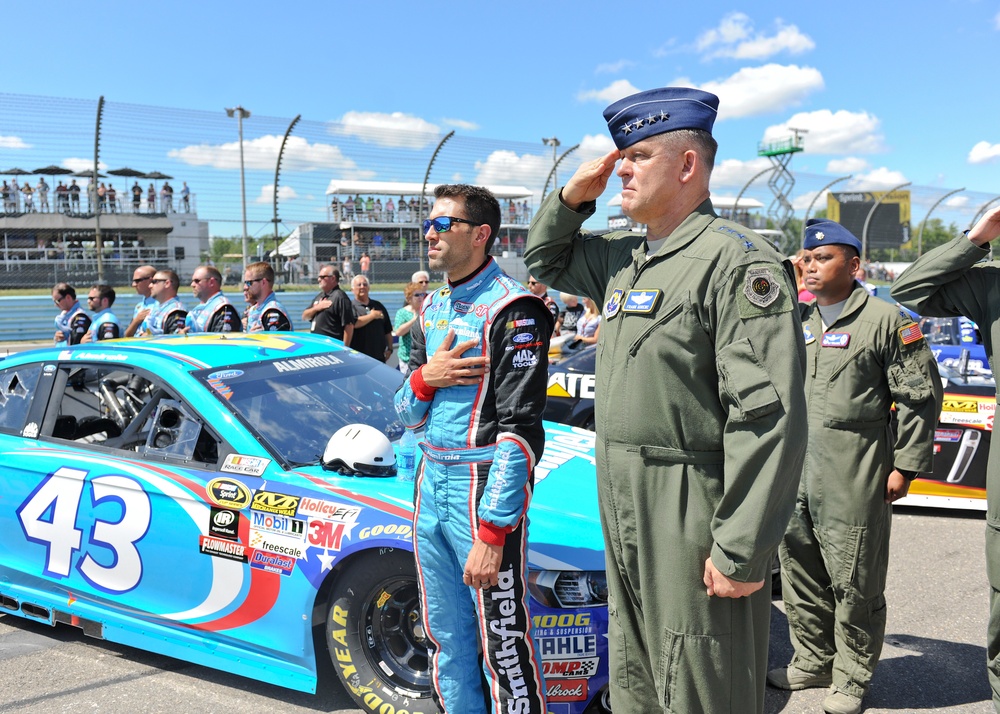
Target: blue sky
(889, 93)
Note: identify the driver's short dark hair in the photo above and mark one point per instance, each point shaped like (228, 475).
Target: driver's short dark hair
(481, 206)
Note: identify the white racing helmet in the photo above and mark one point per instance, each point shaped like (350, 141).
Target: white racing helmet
(360, 449)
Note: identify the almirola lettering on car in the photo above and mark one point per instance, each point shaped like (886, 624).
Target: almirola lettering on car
(170, 494)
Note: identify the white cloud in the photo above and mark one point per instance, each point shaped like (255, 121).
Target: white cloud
(669, 47)
(762, 90)
(13, 142)
(613, 67)
(261, 153)
(983, 152)
(735, 173)
(957, 202)
(996, 21)
(461, 124)
(456, 177)
(840, 132)
(735, 37)
(592, 146)
(396, 130)
(612, 93)
(847, 165)
(877, 179)
(506, 168)
(285, 193)
(77, 165)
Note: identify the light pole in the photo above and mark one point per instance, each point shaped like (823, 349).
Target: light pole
(554, 143)
(242, 114)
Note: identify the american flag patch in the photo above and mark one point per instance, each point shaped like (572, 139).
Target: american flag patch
(909, 334)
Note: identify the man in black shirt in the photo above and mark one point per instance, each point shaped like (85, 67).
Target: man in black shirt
(331, 312)
(373, 329)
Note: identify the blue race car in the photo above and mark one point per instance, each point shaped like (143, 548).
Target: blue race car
(176, 494)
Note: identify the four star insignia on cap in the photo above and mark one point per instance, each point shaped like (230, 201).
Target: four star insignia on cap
(627, 128)
(819, 235)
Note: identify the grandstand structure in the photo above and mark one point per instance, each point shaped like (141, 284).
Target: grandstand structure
(291, 214)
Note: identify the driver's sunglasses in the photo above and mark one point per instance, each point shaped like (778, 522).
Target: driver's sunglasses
(442, 224)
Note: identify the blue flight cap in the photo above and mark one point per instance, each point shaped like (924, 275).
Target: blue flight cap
(820, 231)
(657, 111)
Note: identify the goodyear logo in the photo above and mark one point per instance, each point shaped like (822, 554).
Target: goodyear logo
(279, 503)
(952, 404)
(228, 493)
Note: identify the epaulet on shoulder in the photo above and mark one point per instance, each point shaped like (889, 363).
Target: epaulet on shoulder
(744, 238)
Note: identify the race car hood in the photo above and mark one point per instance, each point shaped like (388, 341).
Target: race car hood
(564, 532)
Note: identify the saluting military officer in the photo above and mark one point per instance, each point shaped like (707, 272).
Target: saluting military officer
(862, 354)
(700, 408)
(950, 281)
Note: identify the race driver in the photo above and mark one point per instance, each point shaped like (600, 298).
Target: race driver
(479, 398)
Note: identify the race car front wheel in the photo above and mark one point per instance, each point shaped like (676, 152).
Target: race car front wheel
(375, 636)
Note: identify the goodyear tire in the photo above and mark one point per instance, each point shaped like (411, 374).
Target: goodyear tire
(375, 636)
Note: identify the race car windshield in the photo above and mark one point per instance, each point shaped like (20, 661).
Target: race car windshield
(294, 404)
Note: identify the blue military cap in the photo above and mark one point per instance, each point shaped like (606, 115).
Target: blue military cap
(820, 231)
(657, 111)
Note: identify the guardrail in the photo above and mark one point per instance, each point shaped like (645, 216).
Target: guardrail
(30, 318)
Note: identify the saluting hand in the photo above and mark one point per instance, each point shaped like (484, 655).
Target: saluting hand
(590, 180)
(987, 228)
(447, 368)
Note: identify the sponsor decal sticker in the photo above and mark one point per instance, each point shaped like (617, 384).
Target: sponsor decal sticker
(840, 340)
(277, 544)
(957, 404)
(30, 430)
(527, 322)
(245, 465)
(328, 510)
(272, 562)
(228, 493)
(562, 668)
(223, 548)
(277, 524)
(463, 308)
(948, 435)
(571, 385)
(567, 690)
(401, 530)
(317, 361)
(327, 534)
(565, 647)
(225, 374)
(224, 523)
(279, 503)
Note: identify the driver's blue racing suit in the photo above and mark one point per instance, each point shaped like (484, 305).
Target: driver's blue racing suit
(482, 443)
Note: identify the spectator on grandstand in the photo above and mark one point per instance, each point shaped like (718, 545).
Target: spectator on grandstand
(359, 207)
(151, 199)
(390, 210)
(366, 266)
(112, 197)
(74, 196)
(370, 209)
(373, 329)
(102, 197)
(15, 195)
(72, 322)
(27, 192)
(349, 208)
(346, 269)
(404, 210)
(62, 197)
(136, 197)
(335, 208)
(167, 198)
(186, 198)
(105, 325)
(378, 242)
(378, 209)
(404, 320)
(42, 189)
(8, 205)
(141, 280)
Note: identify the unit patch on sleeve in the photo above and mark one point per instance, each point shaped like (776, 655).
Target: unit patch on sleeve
(762, 291)
(614, 303)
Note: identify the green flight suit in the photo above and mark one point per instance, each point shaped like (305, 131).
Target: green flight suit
(835, 554)
(946, 282)
(701, 429)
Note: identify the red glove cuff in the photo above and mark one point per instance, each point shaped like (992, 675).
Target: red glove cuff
(493, 535)
(423, 391)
